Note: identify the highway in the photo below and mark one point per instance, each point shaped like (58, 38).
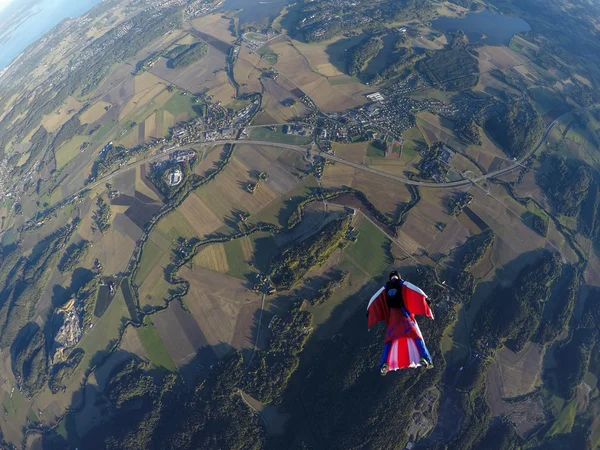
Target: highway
(303, 149)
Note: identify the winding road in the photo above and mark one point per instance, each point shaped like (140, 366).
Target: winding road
(303, 149)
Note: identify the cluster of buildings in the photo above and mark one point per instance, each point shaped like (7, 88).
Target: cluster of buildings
(253, 41)
(183, 156)
(201, 7)
(297, 130)
(175, 177)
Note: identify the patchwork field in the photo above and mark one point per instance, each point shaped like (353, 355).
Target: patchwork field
(53, 121)
(223, 307)
(498, 57)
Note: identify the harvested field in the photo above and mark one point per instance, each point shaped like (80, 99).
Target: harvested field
(112, 249)
(527, 415)
(126, 226)
(520, 372)
(140, 99)
(387, 195)
(141, 208)
(95, 112)
(215, 25)
(227, 193)
(223, 307)
(435, 128)
(246, 75)
(182, 337)
(498, 57)
(273, 96)
(318, 58)
(338, 175)
(209, 157)
(261, 159)
(295, 67)
(453, 235)
(193, 78)
(224, 92)
(421, 225)
(352, 152)
(131, 343)
(212, 257)
(199, 216)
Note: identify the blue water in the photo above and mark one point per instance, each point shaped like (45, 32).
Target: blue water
(50, 13)
(498, 29)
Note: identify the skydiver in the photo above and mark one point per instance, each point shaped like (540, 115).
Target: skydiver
(396, 304)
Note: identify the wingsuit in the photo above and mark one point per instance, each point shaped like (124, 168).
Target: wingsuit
(396, 304)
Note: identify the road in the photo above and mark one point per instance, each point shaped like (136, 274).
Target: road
(302, 149)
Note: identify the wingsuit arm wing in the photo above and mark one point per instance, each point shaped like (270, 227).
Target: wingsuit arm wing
(377, 310)
(415, 300)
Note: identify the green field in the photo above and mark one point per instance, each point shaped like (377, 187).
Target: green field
(174, 226)
(264, 249)
(151, 255)
(238, 104)
(104, 331)
(341, 80)
(32, 416)
(413, 142)
(12, 405)
(279, 211)
(235, 259)
(182, 104)
(370, 250)
(564, 421)
(265, 134)
(154, 345)
(373, 151)
(545, 101)
(56, 196)
(69, 151)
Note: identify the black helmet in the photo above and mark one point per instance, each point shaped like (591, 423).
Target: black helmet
(393, 274)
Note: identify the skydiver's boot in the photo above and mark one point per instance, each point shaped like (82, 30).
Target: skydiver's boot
(384, 370)
(426, 363)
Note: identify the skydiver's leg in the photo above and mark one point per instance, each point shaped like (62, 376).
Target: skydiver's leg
(423, 352)
(384, 356)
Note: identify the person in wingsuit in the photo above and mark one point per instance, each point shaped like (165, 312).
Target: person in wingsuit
(396, 304)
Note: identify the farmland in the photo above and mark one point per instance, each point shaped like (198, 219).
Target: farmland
(189, 280)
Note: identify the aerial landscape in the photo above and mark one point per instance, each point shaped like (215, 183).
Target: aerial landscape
(198, 198)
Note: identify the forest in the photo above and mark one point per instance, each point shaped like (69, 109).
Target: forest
(293, 263)
(515, 126)
(159, 411)
(188, 55)
(270, 370)
(514, 313)
(73, 255)
(362, 54)
(26, 280)
(452, 70)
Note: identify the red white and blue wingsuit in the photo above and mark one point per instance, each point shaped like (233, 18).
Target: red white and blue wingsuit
(404, 346)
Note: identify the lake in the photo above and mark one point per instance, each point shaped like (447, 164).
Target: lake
(498, 29)
(49, 13)
(255, 11)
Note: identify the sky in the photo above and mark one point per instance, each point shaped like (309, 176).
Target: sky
(4, 3)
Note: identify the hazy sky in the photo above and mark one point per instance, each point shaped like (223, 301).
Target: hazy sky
(4, 3)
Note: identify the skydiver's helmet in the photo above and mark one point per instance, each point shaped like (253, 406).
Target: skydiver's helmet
(393, 290)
